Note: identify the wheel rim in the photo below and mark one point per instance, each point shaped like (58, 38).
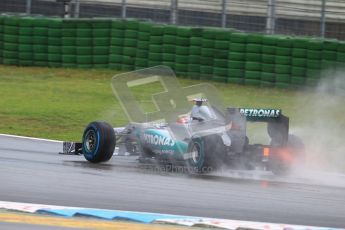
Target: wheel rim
(195, 153)
(90, 140)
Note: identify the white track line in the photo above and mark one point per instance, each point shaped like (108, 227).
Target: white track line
(29, 138)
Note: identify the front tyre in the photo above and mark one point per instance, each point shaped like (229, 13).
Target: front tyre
(98, 142)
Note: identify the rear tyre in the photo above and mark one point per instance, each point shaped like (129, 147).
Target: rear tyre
(283, 164)
(98, 142)
(205, 154)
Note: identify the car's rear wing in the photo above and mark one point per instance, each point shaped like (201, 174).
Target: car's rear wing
(277, 123)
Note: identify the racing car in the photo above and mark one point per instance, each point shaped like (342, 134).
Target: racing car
(202, 139)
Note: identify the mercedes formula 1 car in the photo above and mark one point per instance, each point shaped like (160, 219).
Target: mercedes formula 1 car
(202, 138)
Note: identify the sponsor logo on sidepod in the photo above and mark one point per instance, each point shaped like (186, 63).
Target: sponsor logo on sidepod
(158, 140)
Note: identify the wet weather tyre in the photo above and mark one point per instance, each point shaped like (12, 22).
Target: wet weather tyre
(98, 142)
(205, 154)
(296, 148)
(195, 161)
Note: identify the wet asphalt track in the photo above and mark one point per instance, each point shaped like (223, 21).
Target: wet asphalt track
(32, 171)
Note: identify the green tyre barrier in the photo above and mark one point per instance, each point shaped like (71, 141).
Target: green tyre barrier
(10, 61)
(208, 43)
(68, 50)
(115, 58)
(83, 41)
(100, 59)
(253, 48)
(25, 56)
(142, 62)
(84, 50)
(282, 69)
(54, 41)
(9, 55)
(253, 66)
(220, 63)
(157, 40)
(254, 38)
(54, 57)
(329, 55)
(25, 62)
(180, 41)
(253, 57)
(236, 56)
(256, 75)
(183, 59)
(254, 82)
(232, 80)
(100, 33)
(10, 46)
(169, 39)
(100, 50)
(142, 53)
(25, 48)
(52, 32)
(128, 51)
(239, 37)
(223, 45)
(267, 76)
(194, 59)
(40, 48)
(269, 49)
(180, 50)
(84, 32)
(117, 41)
(298, 80)
(155, 57)
(312, 54)
(194, 68)
(283, 51)
(206, 52)
(299, 53)
(220, 79)
(283, 60)
(299, 62)
(298, 71)
(68, 41)
(330, 45)
(221, 54)
(40, 57)
(170, 29)
(103, 42)
(283, 78)
(300, 43)
(236, 64)
(144, 36)
(269, 59)
(167, 48)
(155, 48)
(237, 47)
(127, 60)
(11, 30)
(236, 73)
(220, 72)
(267, 84)
(194, 50)
(117, 33)
(25, 31)
(116, 50)
(132, 34)
(10, 38)
(267, 67)
(168, 57)
(196, 41)
(314, 64)
(269, 40)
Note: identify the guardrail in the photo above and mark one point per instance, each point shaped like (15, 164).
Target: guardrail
(197, 53)
(319, 18)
